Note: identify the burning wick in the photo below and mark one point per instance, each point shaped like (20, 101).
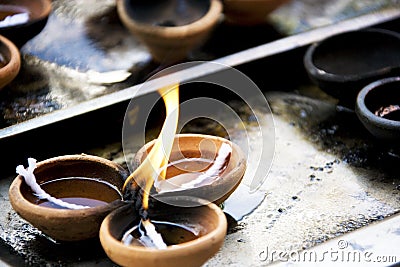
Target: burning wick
(146, 173)
(30, 180)
(153, 170)
(383, 111)
(150, 237)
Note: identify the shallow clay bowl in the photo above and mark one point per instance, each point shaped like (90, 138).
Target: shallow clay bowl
(65, 224)
(343, 64)
(208, 220)
(205, 146)
(170, 29)
(250, 12)
(10, 61)
(38, 10)
(382, 93)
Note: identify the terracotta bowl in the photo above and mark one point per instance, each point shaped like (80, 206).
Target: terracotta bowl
(249, 12)
(20, 33)
(208, 219)
(206, 146)
(10, 61)
(384, 93)
(64, 224)
(173, 37)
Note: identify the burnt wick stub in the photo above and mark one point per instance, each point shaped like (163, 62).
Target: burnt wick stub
(391, 112)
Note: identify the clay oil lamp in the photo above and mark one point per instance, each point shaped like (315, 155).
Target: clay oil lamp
(249, 12)
(343, 64)
(10, 61)
(170, 29)
(378, 108)
(191, 155)
(89, 181)
(21, 20)
(193, 235)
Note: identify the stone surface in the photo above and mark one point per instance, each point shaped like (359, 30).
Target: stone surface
(314, 192)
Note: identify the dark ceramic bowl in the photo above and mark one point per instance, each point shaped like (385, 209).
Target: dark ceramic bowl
(343, 64)
(20, 31)
(381, 97)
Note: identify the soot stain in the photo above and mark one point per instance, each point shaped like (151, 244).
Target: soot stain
(30, 246)
(337, 131)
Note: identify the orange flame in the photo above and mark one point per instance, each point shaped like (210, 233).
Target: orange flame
(159, 155)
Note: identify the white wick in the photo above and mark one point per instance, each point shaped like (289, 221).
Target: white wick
(206, 178)
(213, 172)
(30, 180)
(151, 238)
(14, 20)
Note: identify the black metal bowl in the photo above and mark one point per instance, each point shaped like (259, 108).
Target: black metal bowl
(343, 64)
(378, 108)
(20, 31)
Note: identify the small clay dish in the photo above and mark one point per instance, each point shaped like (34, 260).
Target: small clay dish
(66, 224)
(207, 220)
(249, 12)
(170, 29)
(21, 20)
(192, 146)
(343, 64)
(10, 61)
(378, 108)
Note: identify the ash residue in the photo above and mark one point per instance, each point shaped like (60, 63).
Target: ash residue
(276, 215)
(233, 225)
(334, 130)
(34, 249)
(328, 167)
(27, 107)
(18, 237)
(28, 246)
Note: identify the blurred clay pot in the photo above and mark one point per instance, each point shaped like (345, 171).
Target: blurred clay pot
(38, 12)
(249, 12)
(170, 37)
(66, 224)
(10, 61)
